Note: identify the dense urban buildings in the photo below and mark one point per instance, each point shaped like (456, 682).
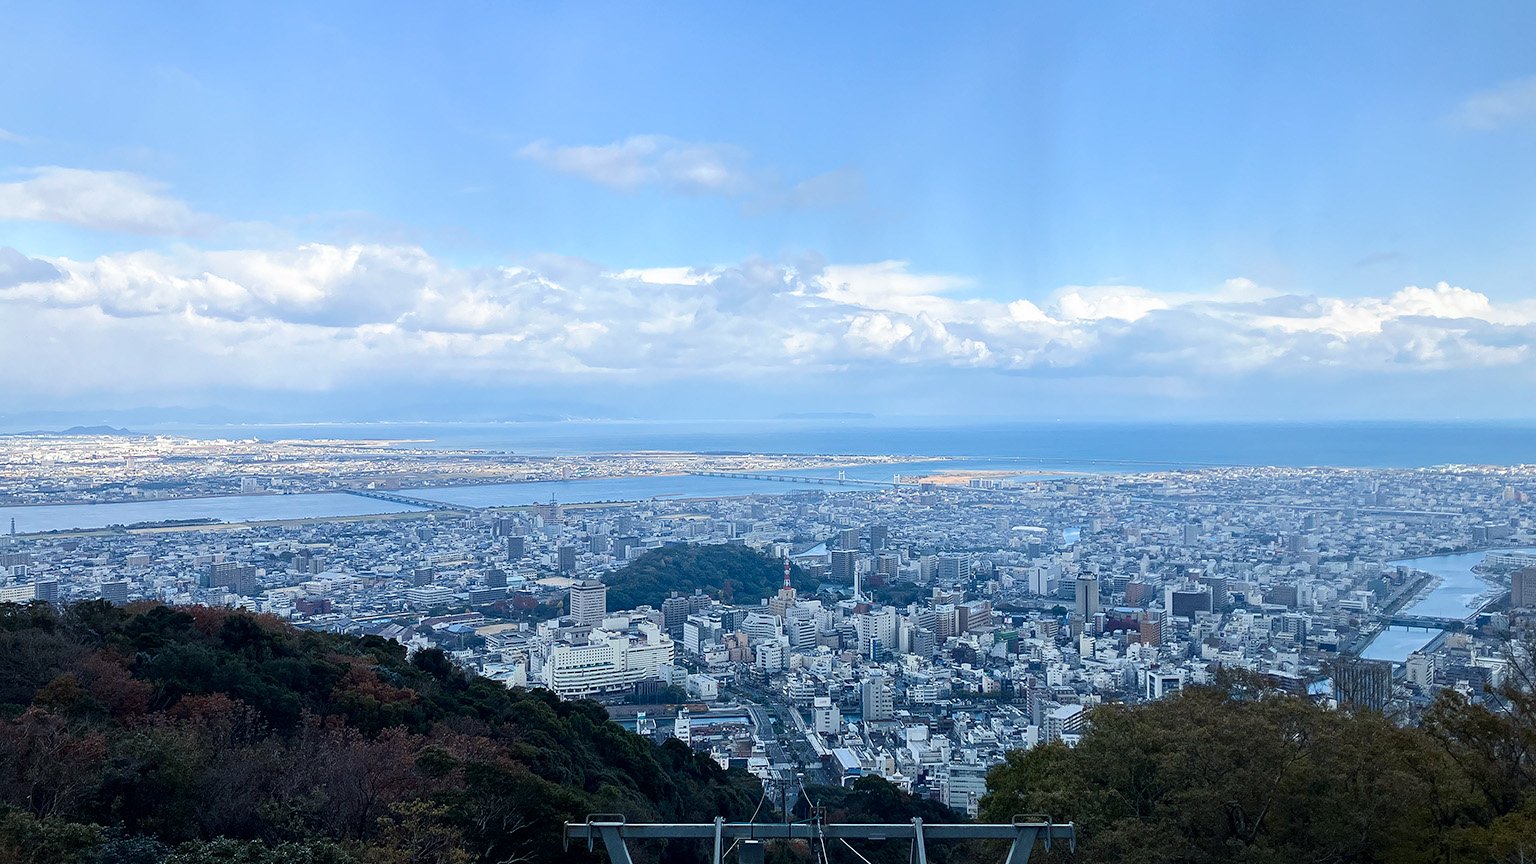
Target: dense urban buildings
(923, 625)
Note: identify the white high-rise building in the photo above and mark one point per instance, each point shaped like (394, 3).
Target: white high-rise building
(770, 657)
(826, 719)
(589, 602)
(967, 784)
(876, 700)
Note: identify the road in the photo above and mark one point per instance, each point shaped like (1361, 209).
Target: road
(765, 706)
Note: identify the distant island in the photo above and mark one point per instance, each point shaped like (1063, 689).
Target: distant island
(96, 430)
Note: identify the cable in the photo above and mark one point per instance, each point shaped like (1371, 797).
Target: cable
(816, 822)
(855, 851)
(734, 843)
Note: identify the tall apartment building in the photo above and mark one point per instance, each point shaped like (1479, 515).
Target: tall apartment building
(1522, 593)
(954, 567)
(588, 602)
(238, 578)
(674, 611)
(1087, 601)
(876, 701)
(844, 563)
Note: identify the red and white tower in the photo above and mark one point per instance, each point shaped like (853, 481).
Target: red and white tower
(787, 593)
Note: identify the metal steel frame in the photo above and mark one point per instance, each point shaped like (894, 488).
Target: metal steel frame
(1025, 831)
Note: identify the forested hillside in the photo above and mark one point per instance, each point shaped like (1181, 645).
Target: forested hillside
(1238, 774)
(735, 574)
(155, 735)
(184, 736)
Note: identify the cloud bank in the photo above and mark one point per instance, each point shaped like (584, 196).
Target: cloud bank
(319, 317)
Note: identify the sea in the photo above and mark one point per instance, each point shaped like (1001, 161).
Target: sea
(1022, 449)
(1358, 444)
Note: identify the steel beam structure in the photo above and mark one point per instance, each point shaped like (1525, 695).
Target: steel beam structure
(615, 833)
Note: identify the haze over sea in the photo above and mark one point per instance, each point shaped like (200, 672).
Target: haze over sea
(1361, 444)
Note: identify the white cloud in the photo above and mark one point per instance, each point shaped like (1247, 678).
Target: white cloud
(320, 316)
(11, 137)
(1096, 302)
(695, 168)
(666, 275)
(102, 200)
(1510, 102)
(648, 160)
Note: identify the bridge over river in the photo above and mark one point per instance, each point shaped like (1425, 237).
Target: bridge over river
(1426, 622)
(396, 498)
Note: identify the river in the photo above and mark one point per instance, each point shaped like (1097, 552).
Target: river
(267, 508)
(1459, 594)
(36, 518)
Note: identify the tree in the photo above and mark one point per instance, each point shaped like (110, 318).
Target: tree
(202, 735)
(1205, 777)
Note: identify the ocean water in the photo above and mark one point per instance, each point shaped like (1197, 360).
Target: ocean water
(261, 508)
(1023, 450)
(1362, 444)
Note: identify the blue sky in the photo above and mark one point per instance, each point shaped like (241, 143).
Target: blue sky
(1242, 192)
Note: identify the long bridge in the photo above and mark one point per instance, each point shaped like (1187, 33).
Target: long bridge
(396, 498)
(1363, 639)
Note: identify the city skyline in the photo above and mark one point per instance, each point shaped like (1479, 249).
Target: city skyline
(1125, 212)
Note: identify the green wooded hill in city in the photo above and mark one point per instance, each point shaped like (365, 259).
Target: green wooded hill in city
(734, 574)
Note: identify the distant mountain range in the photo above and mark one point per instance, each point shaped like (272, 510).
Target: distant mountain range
(77, 430)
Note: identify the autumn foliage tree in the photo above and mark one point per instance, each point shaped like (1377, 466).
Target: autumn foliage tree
(153, 735)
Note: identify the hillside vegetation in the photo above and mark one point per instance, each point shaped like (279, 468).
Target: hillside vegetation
(1242, 775)
(156, 735)
(183, 736)
(734, 574)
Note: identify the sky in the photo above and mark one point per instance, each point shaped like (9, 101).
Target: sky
(1107, 211)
